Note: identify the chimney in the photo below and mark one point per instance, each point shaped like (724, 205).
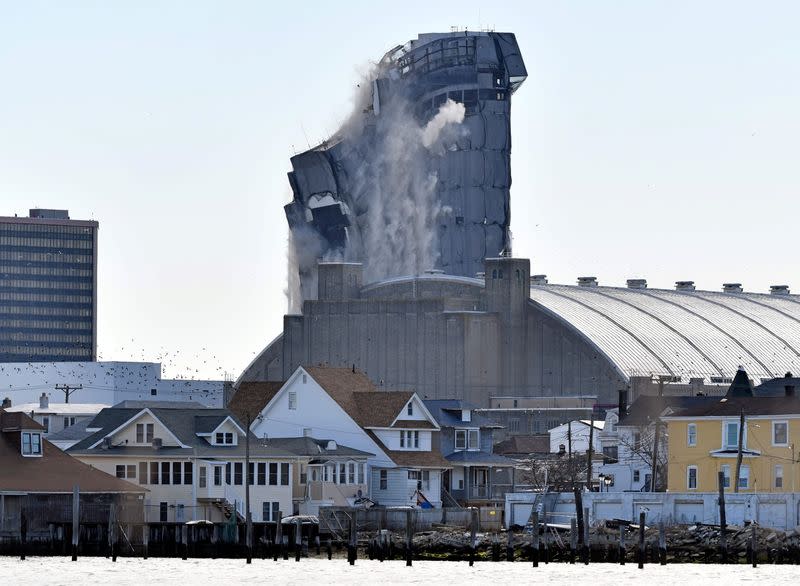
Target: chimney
(538, 279)
(587, 281)
(6, 403)
(684, 285)
(731, 287)
(622, 403)
(779, 289)
(637, 283)
(44, 402)
(157, 443)
(789, 388)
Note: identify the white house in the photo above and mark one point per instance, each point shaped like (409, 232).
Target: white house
(192, 461)
(576, 433)
(405, 465)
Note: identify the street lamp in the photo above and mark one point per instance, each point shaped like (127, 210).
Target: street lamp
(607, 481)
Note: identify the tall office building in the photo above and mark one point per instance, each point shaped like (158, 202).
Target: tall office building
(48, 288)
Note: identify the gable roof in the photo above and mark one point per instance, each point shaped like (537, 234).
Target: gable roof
(252, 397)
(524, 444)
(414, 458)
(53, 472)
(741, 385)
(734, 406)
(645, 409)
(316, 448)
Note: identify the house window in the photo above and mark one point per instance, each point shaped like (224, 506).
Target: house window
(142, 472)
(228, 473)
(384, 480)
(461, 439)
(691, 434)
(414, 475)
(731, 434)
(610, 454)
(637, 440)
(726, 475)
(176, 473)
(744, 477)
(202, 480)
(144, 432)
(31, 444)
(237, 473)
(266, 509)
(292, 400)
(778, 476)
(46, 424)
(361, 473)
(410, 409)
(165, 472)
(474, 439)
(780, 433)
(303, 474)
(285, 474)
(636, 476)
(187, 473)
(68, 422)
(153, 392)
(513, 425)
(217, 475)
(351, 473)
(163, 512)
(262, 474)
(691, 477)
(342, 474)
(224, 438)
(273, 474)
(153, 472)
(126, 470)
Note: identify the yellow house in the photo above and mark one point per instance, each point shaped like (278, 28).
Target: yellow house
(703, 440)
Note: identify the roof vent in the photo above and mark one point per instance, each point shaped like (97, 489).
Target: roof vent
(732, 287)
(587, 281)
(684, 286)
(331, 445)
(157, 443)
(779, 289)
(538, 279)
(637, 283)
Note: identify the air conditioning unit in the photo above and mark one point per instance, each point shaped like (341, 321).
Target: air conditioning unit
(157, 443)
(106, 443)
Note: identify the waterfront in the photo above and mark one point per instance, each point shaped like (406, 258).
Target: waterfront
(135, 571)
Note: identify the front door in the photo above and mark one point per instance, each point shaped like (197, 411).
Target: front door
(480, 483)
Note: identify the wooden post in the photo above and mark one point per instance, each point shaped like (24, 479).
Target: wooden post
(473, 529)
(298, 539)
(278, 535)
(316, 544)
(184, 542)
(641, 539)
(145, 539)
(579, 512)
(573, 539)
(351, 547)
(112, 531)
(544, 537)
(662, 543)
(495, 548)
(510, 546)
(248, 520)
(723, 537)
(409, 538)
(586, 549)
(23, 534)
(622, 545)
(76, 520)
(535, 549)
(753, 551)
(329, 548)
(285, 546)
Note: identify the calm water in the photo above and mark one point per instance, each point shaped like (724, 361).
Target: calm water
(138, 572)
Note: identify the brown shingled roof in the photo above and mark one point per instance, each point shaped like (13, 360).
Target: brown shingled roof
(252, 397)
(53, 472)
(524, 444)
(415, 458)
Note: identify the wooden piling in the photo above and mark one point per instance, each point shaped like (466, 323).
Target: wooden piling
(112, 532)
(409, 538)
(276, 544)
(573, 539)
(23, 534)
(662, 543)
(622, 545)
(641, 539)
(510, 546)
(285, 547)
(535, 538)
(723, 527)
(352, 544)
(473, 530)
(545, 538)
(753, 550)
(316, 544)
(298, 539)
(586, 544)
(329, 548)
(248, 523)
(76, 521)
(185, 542)
(145, 540)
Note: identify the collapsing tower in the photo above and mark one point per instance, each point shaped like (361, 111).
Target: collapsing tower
(419, 175)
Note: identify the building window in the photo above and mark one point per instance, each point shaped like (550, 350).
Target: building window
(731, 434)
(637, 440)
(144, 432)
(284, 474)
(636, 476)
(726, 475)
(351, 473)
(142, 472)
(461, 439)
(217, 475)
(513, 425)
(153, 472)
(384, 480)
(292, 400)
(303, 474)
(31, 444)
(780, 433)
(270, 511)
(46, 424)
(361, 473)
(202, 479)
(69, 422)
(165, 472)
(691, 478)
(610, 454)
(273, 474)
(223, 438)
(691, 434)
(237, 473)
(262, 474)
(187, 473)
(410, 409)
(474, 439)
(176, 473)
(778, 476)
(153, 392)
(163, 512)
(126, 470)
(744, 477)
(342, 473)
(228, 473)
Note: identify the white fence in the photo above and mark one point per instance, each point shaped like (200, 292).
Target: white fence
(776, 510)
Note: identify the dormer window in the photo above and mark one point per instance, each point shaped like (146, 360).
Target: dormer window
(144, 433)
(223, 438)
(410, 409)
(31, 443)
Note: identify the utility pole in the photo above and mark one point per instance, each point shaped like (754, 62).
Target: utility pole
(248, 527)
(569, 453)
(739, 450)
(590, 451)
(68, 390)
(656, 434)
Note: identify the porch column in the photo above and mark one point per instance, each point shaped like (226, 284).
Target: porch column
(467, 483)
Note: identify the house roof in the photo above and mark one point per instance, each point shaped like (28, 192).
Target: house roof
(60, 408)
(316, 448)
(741, 385)
(54, 471)
(734, 406)
(447, 413)
(479, 459)
(414, 458)
(776, 387)
(252, 397)
(73, 432)
(184, 424)
(524, 444)
(644, 410)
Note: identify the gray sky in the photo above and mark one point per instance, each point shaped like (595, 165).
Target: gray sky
(655, 140)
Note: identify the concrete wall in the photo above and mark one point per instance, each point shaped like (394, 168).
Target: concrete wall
(776, 510)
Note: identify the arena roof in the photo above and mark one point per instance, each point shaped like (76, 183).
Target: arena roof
(682, 333)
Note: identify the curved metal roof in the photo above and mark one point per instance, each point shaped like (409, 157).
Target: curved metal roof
(682, 333)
